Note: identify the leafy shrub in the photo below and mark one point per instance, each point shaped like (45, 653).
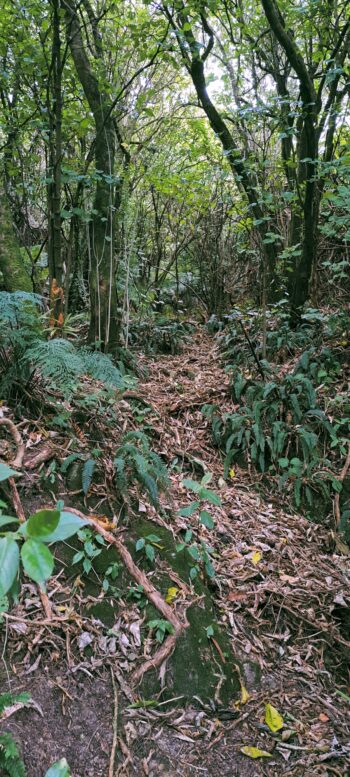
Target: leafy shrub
(29, 362)
(280, 428)
(26, 546)
(160, 335)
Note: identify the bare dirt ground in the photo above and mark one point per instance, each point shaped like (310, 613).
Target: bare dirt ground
(281, 593)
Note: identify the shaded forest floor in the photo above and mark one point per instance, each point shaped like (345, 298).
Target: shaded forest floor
(280, 592)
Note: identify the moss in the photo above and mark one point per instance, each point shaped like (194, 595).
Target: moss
(14, 275)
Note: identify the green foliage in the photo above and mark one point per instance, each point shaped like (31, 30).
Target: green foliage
(160, 335)
(91, 549)
(162, 627)
(59, 769)
(203, 494)
(280, 428)
(29, 362)
(148, 544)
(28, 544)
(61, 363)
(11, 764)
(199, 552)
(135, 461)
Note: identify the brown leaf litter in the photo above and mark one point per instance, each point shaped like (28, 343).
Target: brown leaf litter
(280, 591)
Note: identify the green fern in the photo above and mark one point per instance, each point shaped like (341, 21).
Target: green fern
(135, 461)
(88, 471)
(62, 364)
(11, 764)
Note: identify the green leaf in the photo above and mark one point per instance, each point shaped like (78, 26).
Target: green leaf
(6, 472)
(140, 543)
(42, 524)
(193, 551)
(68, 525)
(206, 519)
(6, 519)
(59, 769)
(88, 471)
(186, 512)
(210, 496)
(37, 560)
(149, 551)
(206, 478)
(9, 562)
(192, 485)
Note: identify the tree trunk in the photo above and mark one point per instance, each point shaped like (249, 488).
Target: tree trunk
(14, 274)
(104, 326)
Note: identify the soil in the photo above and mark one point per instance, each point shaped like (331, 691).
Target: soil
(279, 605)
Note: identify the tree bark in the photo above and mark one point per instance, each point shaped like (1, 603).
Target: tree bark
(12, 269)
(103, 330)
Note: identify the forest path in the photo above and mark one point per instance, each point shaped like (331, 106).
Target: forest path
(279, 592)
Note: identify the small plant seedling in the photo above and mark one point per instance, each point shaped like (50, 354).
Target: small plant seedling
(162, 627)
(91, 549)
(203, 494)
(148, 544)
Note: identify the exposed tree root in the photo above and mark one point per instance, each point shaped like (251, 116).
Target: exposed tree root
(18, 460)
(152, 594)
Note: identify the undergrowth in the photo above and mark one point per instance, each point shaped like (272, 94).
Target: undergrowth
(31, 363)
(290, 423)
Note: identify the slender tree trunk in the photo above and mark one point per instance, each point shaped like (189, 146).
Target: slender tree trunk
(55, 185)
(13, 275)
(104, 325)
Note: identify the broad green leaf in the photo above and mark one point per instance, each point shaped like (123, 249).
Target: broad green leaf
(206, 478)
(272, 718)
(68, 525)
(255, 752)
(149, 551)
(206, 519)
(194, 553)
(210, 496)
(42, 524)
(186, 512)
(6, 472)
(6, 519)
(37, 560)
(192, 485)
(59, 769)
(9, 561)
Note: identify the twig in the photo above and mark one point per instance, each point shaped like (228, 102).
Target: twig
(115, 727)
(152, 595)
(255, 357)
(341, 478)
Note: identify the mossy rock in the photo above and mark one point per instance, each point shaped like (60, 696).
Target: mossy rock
(196, 667)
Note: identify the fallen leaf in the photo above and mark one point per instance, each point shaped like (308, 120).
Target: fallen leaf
(256, 557)
(171, 594)
(245, 696)
(323, 717)
(255, 752)
(232, 473)
(272, 718)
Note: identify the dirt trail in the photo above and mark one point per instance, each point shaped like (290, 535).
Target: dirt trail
(279, 592)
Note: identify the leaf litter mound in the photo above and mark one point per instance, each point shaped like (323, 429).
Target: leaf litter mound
(280, 591)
